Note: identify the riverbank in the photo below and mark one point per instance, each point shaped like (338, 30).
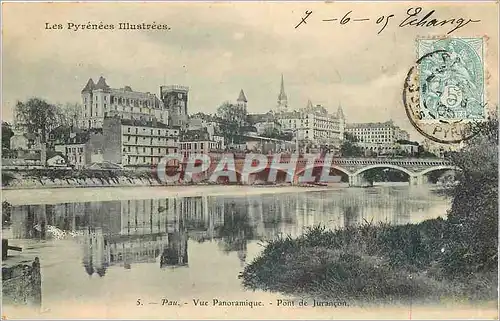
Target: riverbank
(100, 194)
(21, 281)
(61, 178)
(370, 264)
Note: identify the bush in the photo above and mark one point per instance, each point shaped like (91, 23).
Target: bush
(7, 178)
(473, 218)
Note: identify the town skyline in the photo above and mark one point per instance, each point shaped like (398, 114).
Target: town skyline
(217, 50)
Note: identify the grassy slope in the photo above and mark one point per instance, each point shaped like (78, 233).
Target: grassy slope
(367, 263)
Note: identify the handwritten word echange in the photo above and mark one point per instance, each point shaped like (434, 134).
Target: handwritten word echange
(413, 18)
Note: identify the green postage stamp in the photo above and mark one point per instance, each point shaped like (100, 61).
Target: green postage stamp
(452, 86)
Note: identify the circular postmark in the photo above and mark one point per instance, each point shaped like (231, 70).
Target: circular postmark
(443, 92)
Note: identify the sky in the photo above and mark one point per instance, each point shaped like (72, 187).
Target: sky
(219, 48)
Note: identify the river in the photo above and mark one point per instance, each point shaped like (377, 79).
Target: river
(132, 253)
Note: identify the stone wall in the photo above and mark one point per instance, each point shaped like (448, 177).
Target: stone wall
(22, 283)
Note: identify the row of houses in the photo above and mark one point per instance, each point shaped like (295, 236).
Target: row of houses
(135, 129)
(128, 143)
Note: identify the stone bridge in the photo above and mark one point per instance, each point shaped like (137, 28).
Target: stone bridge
(415, 168)
(353, 168)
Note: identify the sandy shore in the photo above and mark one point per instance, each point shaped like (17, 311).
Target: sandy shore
(96, 194)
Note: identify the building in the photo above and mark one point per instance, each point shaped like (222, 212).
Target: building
(23, 160)
(378, 138)
(377, 133)
(23, 141)
(405, 147)
(175, 100)
(241, 108)
(56, 160)
(266, 127)
(82, 149)
(206, 122)
(98, 100)
(439, 149)
(136, 143)
(199, 147)
(314, 124)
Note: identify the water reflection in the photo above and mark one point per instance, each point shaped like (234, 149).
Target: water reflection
(126, 233)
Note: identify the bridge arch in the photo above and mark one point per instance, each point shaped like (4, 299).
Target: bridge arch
(196, 178)
(402, 169)
(222, 174)
(339, 168)
(438, 168)
(279, 170)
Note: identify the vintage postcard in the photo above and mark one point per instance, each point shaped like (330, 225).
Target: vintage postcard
(250, 160)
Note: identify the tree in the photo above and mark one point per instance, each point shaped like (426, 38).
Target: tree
(7, 133)
(351, 137)
(424, 153)
(287, 136)
(473, 217)
(37, 116)
(232, 119)
(271, 133)
(232, 113)
(69, 114)
(349, 146)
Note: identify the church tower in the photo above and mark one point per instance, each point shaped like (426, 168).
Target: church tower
(241, 106)
(242, 100)
(282, 99)
(341, 121)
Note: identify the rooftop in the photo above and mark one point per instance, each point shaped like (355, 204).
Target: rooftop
(174, 88)
(102, 85)
(387, 124)
(143, 123)
(242, 97)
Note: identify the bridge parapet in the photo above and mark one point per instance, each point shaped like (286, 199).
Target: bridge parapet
(350, 160)
(354, 167)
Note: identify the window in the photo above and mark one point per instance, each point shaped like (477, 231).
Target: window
(144, 149)
(136, 130)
